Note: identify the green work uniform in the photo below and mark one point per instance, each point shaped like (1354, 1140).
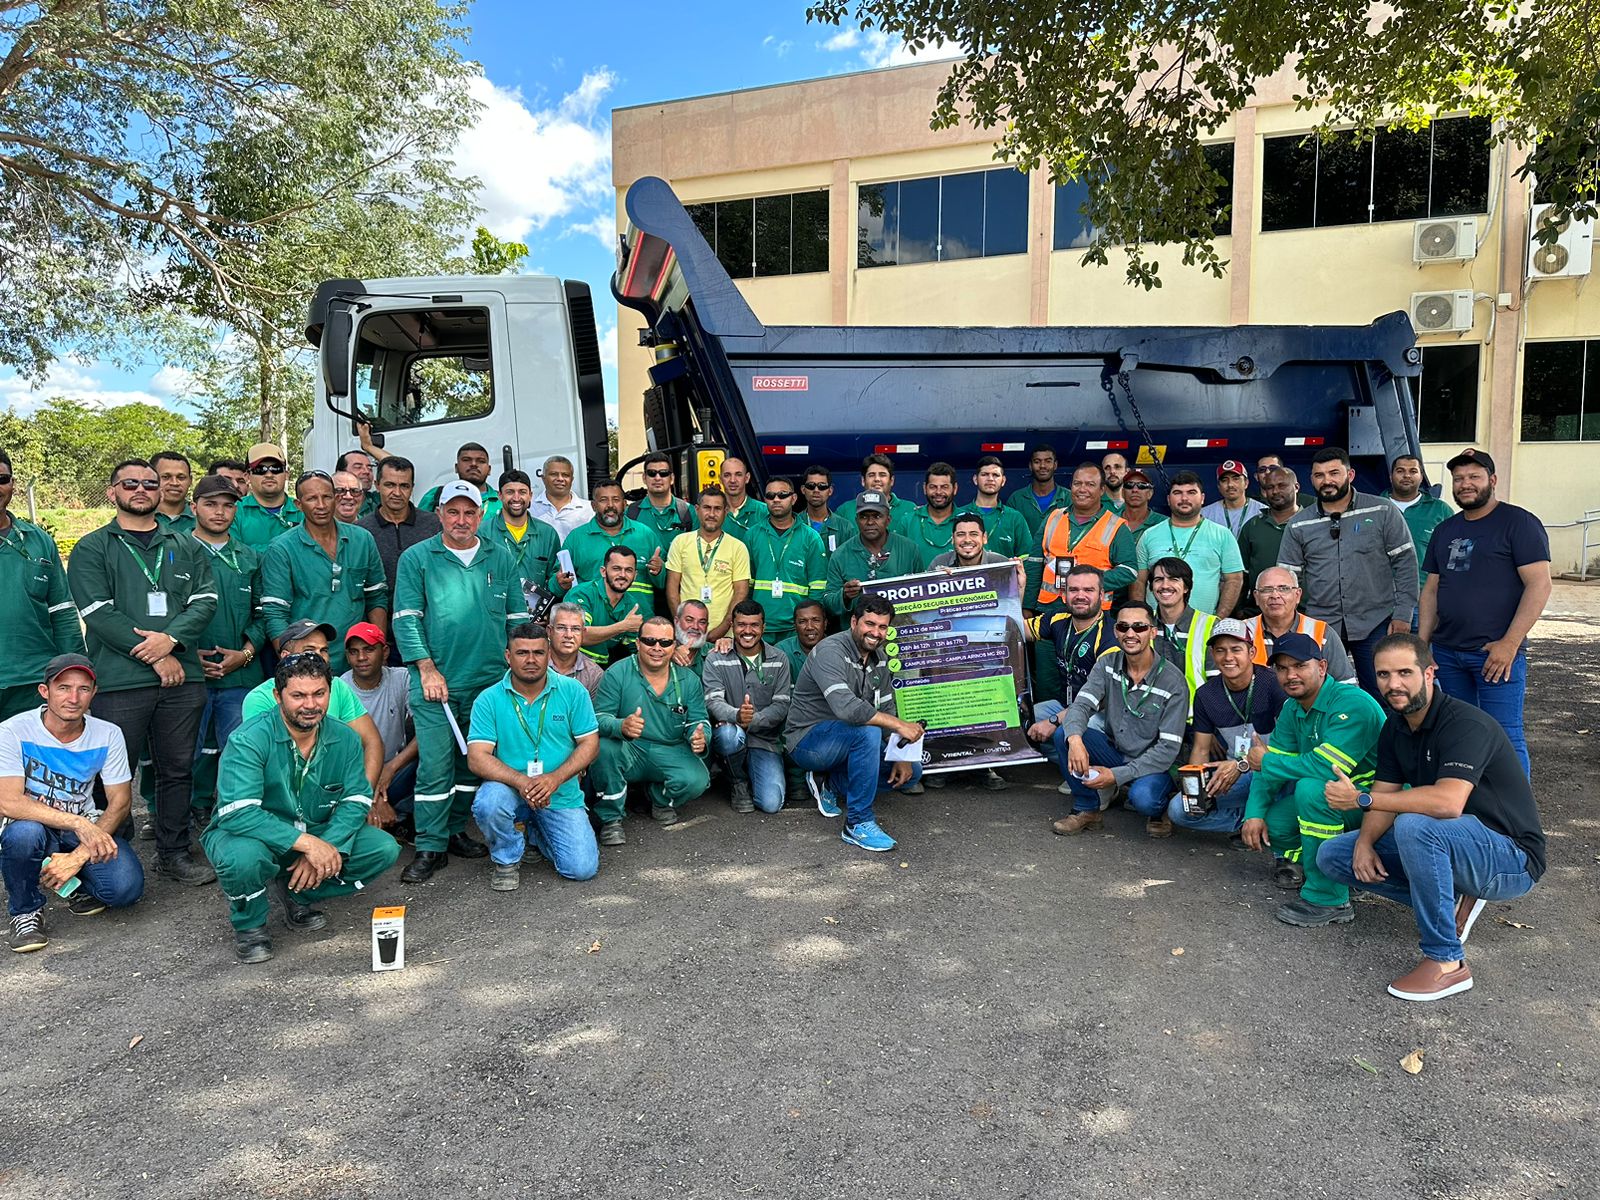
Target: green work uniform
(182, 523)
(791, 649)
(930, 538)
(1341, 728)
(1026, 505)
(661, 755)
(1152, 519)
(256, 526)
(120, 584)
(786, 567)
(369, 504)
(852, 561)
(344, 706)
(753, 512)
(1422, 518)
(534, 555)
(299, 581)
(491, 499)
(237, 623)
(267, 796)
(1006, 531)
(543, 731)
(458, 617)
(834, 530)
(589, 542)
(41, 620)
(666, 523)
(595, 599)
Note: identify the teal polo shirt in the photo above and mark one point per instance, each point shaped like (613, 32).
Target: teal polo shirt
(544, 731)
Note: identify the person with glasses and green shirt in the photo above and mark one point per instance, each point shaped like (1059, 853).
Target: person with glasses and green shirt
(41, 619)
(1137, 514)
(653, 728)
(874, 553)
(663, 512)
(816, 490)
(325, 571)
(267, 512)
(360, 464)
(347, 496)
(747, 696)
(787, 561)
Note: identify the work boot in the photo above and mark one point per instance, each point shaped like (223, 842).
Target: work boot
(506, 877)
(297, 915)
(463, 846)
(423, 864)
(1290, 876)
(1158, 827)
(185, 869)
(252, 945)
(611, 834)
(1302, 913)
(994, 781)
(663, 814)
(741, 799)
(1077, 822)
(935, 781)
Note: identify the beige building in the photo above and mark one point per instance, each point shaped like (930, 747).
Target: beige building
(833, 203)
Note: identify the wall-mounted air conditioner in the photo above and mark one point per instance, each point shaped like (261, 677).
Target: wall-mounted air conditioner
(1441, 312)
(1572, 252)
(1445, 239)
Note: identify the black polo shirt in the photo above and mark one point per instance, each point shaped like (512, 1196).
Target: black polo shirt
(395, 539)
(1458, 741)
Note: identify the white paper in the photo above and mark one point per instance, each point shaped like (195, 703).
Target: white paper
(898, 751)
(454, 727)
(564, 557)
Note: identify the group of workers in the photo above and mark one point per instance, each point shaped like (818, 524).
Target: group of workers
(306, 680)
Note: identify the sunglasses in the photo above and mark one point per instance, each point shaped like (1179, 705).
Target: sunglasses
(133, 485)
(1134, 627)
(779, 495)
(816, 487)
(305, 475)
(1333, 525)
(1138, 487)
(660, 643)
(5, 481)
(267, 469)
(659, 474)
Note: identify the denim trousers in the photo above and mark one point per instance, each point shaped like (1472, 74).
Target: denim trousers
(563, 835)
(761, 768)
(1147, 794)
(852, 758)
(24, 845)
(1460, 674)
(1430, 861)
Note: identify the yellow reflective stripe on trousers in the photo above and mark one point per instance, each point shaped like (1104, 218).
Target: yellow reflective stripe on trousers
(1316, 830)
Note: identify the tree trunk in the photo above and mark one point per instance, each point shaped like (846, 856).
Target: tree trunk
(264, 405)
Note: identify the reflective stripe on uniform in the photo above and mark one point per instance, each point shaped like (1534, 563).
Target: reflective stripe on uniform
(228, 808)
(1315, 829)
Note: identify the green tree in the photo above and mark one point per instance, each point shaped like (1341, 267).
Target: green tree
(70, 447)
(491, 256)
(1123, 92)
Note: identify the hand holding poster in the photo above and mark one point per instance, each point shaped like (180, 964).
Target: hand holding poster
(957, 653)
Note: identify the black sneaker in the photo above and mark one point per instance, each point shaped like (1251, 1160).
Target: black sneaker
(85, 904)
(741, 799)
(185, 869)
(27, 932)
(297, 915)
(1302, 913)
(252, 945)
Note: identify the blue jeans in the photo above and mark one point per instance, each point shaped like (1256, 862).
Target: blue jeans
(1430, 861)
(563, 835)
(852, 758)
(1147, 794)
(402, 789)
(1226, 817)
(1461, 676)
(762, 769)
(24, 845)
(1361, 657)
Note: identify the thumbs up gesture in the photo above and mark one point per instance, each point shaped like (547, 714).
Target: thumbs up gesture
(747, 712)
(655, 562)
(1339, 792)
(633, 620)
(633, 726)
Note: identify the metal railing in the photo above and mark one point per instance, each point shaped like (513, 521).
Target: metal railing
(1586, 522)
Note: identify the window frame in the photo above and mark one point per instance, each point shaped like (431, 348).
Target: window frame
(893, 255)
(750, 268)
(406, 358)
(1588, 360)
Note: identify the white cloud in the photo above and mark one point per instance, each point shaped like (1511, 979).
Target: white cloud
(74, 383)
(845, 39)
(608, 345)
(602, 227)
(173, 381)
(539, 165)
(880, 49)
(771, 42)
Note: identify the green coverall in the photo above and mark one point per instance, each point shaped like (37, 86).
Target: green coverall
(256, 527)
(41, 620)
(661, 754)
(851, 561)
(299, 581)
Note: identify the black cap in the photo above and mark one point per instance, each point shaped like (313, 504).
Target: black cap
(214, 485)
(306, 627)
(1301, 647)
(1471, 458)
(67, 662)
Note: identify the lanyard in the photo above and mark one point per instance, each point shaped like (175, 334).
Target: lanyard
(20, 545)
(1143, 690)
(153, 576)
(1072, 542)
(1249, 697)
(707, 559)
(305, 771)
(1187, 546)
(544, 708)
(1076, 637)
(758, 665)
(222, 553)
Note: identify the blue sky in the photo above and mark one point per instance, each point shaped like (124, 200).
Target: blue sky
(541, 146)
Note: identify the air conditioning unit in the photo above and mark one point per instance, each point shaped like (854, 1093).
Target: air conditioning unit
(1441, 312)
(1571, 254)
(1448, 239)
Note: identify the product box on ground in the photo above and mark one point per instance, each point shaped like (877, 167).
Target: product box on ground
(388, 938)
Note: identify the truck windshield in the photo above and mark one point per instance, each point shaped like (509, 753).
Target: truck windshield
(425, 367)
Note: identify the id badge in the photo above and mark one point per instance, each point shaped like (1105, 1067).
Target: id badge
(833, 543)
(1241, 745)
(1063, 565)
(155, 604)
(777, 589)
(705, 594)
(535, 768)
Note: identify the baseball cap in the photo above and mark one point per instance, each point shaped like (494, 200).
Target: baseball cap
(214, 485)
(368, 633)
(1471, 458)
(1232, 467)
(1229, 627)
(456, 489)
(1301, 647)
(1135, 476)
(872, 502)
(306, 627)
(262, 451)
(63, 663)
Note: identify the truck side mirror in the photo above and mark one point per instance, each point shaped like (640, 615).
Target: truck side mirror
(336, 352)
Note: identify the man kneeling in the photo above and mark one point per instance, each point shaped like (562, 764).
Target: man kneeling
(747, 695)
(292, 805)
(1450, 821)
(532, 735)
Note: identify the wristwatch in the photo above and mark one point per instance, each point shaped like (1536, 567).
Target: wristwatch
(1243, 763)
(1364, 799)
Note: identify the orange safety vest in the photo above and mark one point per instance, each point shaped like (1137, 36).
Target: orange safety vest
(1318, 631)
(1092, 548)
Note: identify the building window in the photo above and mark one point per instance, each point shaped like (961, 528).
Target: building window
(1555, 392)
(1074, 232)
(767, 235)
(1447, 394)
(1312, 181)
(977, 214)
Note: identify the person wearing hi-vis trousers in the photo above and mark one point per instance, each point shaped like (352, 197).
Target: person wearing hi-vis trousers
(291, 815)
(653, 727)
(456, 595)
(1326, 724)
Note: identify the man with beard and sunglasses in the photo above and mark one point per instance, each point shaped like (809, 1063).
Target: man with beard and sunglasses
(1144, 703)
(147, 596)
(1448, 823)
(267, 512)
(1488, 579)
(1353, 557)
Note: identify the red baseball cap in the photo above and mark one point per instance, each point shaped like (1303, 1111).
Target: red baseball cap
(368, 633)
(1232, 467)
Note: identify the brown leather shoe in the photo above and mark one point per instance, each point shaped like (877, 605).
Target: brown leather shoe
(1467, 910)
(1076, 823)
(1158, 827)
(1430, 980)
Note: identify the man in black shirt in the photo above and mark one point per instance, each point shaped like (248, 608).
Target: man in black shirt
(1467, 830)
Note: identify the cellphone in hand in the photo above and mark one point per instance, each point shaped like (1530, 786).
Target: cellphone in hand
(67, 888)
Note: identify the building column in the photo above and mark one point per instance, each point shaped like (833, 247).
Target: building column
(1041, 237)
(1243, 227)
(841, 241)
(1505, 352)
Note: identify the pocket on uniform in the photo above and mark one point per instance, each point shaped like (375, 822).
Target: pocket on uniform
(37, 586)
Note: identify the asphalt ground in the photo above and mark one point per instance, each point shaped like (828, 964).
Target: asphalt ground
(745, 1006)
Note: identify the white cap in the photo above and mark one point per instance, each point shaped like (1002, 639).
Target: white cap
(458, 488)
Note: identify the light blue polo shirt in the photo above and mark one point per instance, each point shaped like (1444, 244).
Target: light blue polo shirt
(561, 715)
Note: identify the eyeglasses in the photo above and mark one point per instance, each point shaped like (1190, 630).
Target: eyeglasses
(347, 491)
(659, 474)
(305, 475)
(780, 495)
(267, 469)
(1134, 627)
(816, 487)
(660, 643)
(133, 485)
(1279, 590)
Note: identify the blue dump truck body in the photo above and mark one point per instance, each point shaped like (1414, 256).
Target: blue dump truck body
(785, 396)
